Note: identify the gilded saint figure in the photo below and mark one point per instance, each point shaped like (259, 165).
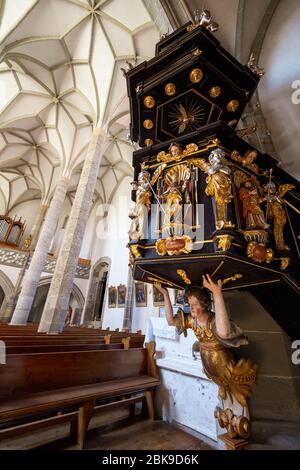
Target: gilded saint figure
(276, 212)
(219, 186)
(252, 212)
(139, 213)
(176, 194)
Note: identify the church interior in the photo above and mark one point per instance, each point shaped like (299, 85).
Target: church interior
(149, 185)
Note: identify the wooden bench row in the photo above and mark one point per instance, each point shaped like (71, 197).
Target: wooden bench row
(32, 329)
(75, 384)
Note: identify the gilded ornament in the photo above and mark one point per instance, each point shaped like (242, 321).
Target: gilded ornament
(284, 262)
(232, 106)
(170, 89)
(187, 117)
(190, 148)
(257, 252)
(259, 236)
(269, 255)
(158, 279)
(215, 91)
(27, 242)
(135, 251)
(149, 101)
(148, 142)
(148, 124)
(173, 245)
(231, 278)
(236, 426)
(224, 242)
(197, 52)
(183, 274)
(196, 75)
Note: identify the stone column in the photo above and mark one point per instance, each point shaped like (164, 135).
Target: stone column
(33, 273)
(35, 232)
(127, 320)
(57, 302)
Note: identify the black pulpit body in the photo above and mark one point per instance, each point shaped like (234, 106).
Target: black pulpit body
(190, 83)
(206, 201)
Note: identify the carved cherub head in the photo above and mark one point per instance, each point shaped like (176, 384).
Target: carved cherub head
(249, 157)
(175, 149)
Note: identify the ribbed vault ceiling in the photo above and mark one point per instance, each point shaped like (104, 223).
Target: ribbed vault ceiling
(60, 76)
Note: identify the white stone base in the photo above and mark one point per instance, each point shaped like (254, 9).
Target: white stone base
(185, 395)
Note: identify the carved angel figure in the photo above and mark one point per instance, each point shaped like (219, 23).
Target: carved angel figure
(247, 160)
(276, 211)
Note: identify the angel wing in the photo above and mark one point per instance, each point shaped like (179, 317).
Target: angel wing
(157, 173)
(200, 163)
(284, 188)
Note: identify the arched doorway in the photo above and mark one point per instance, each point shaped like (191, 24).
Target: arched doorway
(2, 296)
(95, 300)
(6, 294)
(76, 301)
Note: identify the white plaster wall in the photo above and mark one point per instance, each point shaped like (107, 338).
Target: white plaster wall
(82, 284)
(280, 58)
(11, 272)
(185, 395)
(110, 241)
(225, 14)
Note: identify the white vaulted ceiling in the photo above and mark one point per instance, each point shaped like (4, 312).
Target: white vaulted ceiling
(60, 76)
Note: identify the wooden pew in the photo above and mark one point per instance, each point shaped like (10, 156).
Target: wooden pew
(31, 384)
(19, 349)
(135, 341)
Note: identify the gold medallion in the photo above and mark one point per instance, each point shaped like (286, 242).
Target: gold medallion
(170, 89)
(232, 106)
(148, 124)
(215, 91)
(196, 75)
(149, 101)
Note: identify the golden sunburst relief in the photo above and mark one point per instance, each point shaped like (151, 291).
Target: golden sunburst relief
(186, 118)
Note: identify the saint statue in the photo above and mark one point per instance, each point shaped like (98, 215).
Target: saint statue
(219, 186)
(276, 211)
(139, 213)
(252, 212)
(176, 194)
